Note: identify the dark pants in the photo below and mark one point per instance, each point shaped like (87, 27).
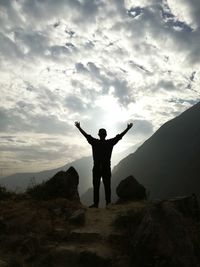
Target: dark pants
(103, 171)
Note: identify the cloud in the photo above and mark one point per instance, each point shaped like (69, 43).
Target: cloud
(35, 155)
(13, 121)
(49, 124)
(8, 48)
(93, 69)
(187, 11)
(80, 68)
(75, 104)
(143, 127)
(140, 127)
(100, 62)
(78, 11)
(167, 85)
(107, 79)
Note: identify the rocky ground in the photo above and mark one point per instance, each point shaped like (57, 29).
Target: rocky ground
(59, 233)
(41, 234)
(40, 229)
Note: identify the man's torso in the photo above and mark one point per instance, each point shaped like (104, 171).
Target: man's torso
(102, 149)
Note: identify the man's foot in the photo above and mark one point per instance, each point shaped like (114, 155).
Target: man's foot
(93, 206)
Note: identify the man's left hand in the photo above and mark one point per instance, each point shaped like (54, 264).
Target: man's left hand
(129, 125)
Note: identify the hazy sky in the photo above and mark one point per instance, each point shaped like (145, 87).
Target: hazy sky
(101, 62)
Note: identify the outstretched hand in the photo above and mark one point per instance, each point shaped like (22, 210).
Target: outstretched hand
(77, 124)
(129, 125)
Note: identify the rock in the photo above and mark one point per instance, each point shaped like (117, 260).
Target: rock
(60, 234)
(3, 264)
(64, 184)
(61, 185)
(57, 211)
(85, 235)
(2, 224)
(78, 217)
(29, 246)
(163, 239)
(76, 255)
(130, 189)
(188, 206)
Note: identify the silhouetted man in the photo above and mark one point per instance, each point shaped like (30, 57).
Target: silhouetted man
(102, 150)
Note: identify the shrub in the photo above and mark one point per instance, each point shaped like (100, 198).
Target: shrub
(37, 192)
(4, 194)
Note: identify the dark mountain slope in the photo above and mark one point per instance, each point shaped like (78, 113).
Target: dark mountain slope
(168, 163)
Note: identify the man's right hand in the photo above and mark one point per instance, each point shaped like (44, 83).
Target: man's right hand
(129, 125)
(77, 124)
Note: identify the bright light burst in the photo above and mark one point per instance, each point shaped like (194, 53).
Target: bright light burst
(113, 113)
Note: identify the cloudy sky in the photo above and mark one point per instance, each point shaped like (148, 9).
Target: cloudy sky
(101, 62)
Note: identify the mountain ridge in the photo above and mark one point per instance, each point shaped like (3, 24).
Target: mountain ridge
(164, 161)
(168, 162)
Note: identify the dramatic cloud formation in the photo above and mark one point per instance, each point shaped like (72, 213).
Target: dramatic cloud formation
(101, 62)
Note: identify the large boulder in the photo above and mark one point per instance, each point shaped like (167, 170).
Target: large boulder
(61, 185)
(188, 206)
(167, 237)
(130, 189)
(3, 264)
(78, 217)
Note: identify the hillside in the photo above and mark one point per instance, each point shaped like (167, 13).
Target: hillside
(168, 163)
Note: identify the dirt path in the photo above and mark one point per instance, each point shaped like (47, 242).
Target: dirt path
(98, 242)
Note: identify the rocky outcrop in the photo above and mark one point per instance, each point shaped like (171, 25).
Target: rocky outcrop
(188, 206)
(166, 236)
(61, 185)
(78, 217)
(60, 232)
(129, 189)
(3, 264)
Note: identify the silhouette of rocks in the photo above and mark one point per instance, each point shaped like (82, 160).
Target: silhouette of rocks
(136, 233)
(3, 264)
(61, 185)
(29, 246)
(165, 238)
(78, 217)
(4, 194)
(2, 224)
(188, 206)
(130, 189)
(75, 256)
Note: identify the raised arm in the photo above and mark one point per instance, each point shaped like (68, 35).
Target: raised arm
(129, 125)
(77, 124)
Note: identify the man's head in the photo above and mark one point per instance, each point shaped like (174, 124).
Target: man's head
(102, 134)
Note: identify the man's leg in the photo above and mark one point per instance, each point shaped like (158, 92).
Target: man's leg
(96, 185)
(107, 183)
